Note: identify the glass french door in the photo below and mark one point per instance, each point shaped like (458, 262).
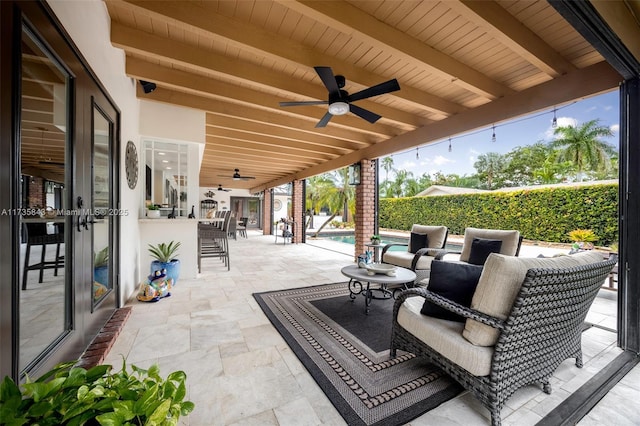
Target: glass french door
(65, 255)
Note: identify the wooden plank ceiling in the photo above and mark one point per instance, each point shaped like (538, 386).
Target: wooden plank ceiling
(460, 65)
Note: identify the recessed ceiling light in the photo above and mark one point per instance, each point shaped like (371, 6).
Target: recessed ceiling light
(165, 161)
(168, 168)
(161, 153)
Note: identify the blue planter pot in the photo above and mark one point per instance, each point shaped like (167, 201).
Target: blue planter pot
(101, 275)
(172, 267)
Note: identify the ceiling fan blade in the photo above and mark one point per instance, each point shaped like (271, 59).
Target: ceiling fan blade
(324, 120)
(371, 117)
(288, 104)
(329, 80)
(378, 89)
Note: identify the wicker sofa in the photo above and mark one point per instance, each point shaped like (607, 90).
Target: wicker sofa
(525, 319)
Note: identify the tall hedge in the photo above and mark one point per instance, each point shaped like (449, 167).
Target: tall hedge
(547, 214)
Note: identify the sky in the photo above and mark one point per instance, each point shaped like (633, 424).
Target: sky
(526, 130)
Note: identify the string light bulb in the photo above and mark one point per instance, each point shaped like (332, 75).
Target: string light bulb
(554, 122)
(493, 136)
(449, 144)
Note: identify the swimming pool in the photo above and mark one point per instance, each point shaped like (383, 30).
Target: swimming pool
(351, 239)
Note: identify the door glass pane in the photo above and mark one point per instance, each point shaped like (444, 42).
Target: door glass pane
(43, 269)
(101, 203)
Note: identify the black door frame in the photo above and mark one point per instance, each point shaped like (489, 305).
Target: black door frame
(83, 325)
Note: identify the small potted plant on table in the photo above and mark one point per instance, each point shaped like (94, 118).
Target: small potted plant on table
(153, 211)
(164, 254)
(375, 239)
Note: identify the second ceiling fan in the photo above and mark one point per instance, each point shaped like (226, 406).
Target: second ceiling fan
(340, 101)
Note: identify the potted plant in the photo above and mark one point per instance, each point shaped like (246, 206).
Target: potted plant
(164, 254)
(153, 211)
(375, 239)
(101, 266)
(582, 239)
(74, 395)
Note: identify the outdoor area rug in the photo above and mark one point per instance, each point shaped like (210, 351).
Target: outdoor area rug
(347, 353)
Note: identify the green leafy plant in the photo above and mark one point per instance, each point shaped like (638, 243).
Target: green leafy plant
(101, 258)
(164, 252)
(582, 235)
(375, 239)
(75, 396)
(153, 207)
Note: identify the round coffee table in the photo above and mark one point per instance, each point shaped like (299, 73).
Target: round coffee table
(359, 276)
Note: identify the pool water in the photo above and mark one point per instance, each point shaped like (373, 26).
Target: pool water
(350, 239)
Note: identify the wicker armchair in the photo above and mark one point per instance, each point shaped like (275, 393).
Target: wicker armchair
(420, 261)
(542, 329)
(511, 242)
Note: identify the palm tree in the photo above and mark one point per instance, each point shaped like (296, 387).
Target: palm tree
(490, 167)
(387, 165)
(583, 147)
(338, 195)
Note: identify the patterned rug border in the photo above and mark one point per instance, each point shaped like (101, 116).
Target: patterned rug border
(337, 399)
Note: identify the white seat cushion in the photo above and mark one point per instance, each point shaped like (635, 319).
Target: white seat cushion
(500, 283)
(509, 238)
(445, 337)
(404, 259)
(435, 234)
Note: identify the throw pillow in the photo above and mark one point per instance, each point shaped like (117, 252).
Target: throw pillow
(454, 281)
(417, 242)
(481, 248)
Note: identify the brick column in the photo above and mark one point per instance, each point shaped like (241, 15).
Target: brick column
(267, 222)
(365, 207)
(297, 209)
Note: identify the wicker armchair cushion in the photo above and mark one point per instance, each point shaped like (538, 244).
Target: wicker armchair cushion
(435, 234)
(481, 248)
(510, 240)
(500, 283)
(445, 337)
(454, 281)
(418, 241)
(404, 259)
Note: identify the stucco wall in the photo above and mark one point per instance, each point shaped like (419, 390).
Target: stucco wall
(87, 22)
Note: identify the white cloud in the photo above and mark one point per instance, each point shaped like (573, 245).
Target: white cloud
(439, 160)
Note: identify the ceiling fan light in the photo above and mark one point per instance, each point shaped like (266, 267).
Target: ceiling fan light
(339, 108)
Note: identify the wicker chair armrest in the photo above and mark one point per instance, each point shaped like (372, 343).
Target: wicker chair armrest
(426, 251)
(449, 306)
(388, 246)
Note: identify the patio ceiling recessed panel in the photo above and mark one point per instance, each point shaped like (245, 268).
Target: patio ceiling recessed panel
(460, 65)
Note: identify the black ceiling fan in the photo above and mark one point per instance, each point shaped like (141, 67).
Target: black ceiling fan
(220, 188)
(340, 101)
(237, 176)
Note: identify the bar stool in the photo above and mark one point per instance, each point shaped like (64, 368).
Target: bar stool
(36, 235)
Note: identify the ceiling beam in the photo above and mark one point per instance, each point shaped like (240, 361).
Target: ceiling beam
(619, 16)
(263, 43)
(321, 143)
(598, 78)
(207, 86)
(349, 19)
(504, 27)
(225, 137)
(262, 122)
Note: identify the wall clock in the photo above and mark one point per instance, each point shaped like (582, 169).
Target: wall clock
(131, 165)
(277, 205)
